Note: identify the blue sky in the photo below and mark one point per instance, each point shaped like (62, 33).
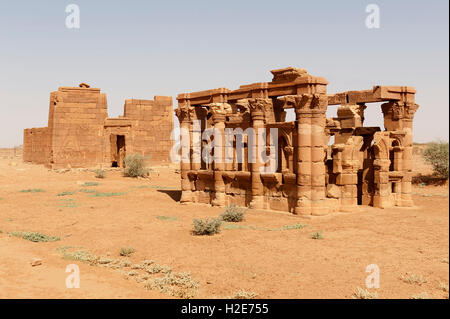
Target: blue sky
(138, 49)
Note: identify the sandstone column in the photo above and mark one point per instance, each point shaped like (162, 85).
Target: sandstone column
(183, 114)
(311, 141)
(219, 165)
(407, 163)
(257, 107)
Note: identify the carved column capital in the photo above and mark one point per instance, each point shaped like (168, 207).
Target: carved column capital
(398, 110)
(306, 103)
(184, 113)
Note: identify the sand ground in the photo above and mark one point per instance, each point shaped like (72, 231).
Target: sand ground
(262, 255)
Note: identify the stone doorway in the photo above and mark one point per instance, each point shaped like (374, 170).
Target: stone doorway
(118, 150)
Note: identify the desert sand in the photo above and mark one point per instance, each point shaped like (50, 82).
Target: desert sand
(267, 254)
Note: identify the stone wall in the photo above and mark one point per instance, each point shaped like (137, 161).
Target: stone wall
(36, 145)
(152, 126)
(80, 134)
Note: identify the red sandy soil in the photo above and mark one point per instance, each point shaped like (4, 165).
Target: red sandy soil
(261, 257)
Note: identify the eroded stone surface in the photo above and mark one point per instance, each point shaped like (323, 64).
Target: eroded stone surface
(80, 133)
(364, 165)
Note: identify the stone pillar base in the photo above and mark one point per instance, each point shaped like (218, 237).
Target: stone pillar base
(257, 202)
(219, 199)
(186, 197)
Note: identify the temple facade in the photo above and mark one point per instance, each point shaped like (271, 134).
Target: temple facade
(364, 166)
(81, 135)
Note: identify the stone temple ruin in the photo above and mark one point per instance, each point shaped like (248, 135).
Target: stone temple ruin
(80, 133)
(364, 166)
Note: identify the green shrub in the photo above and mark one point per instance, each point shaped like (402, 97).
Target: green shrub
(233, 214)
(206, 227)
(99, 173)
(436, 154)
(34, 237)
(135, 166)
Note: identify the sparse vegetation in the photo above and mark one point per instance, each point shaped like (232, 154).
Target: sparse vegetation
(79, 255)
(65, 194)
(443, 286)
(167, 218)
(69, 202)
(422, 295)
(206, 227)
(88, 184)
(436, 154)
(233, 214)
(34, 237)
(84, 190)
(243, 294)
(364, 294)
(135, 166)
(99, 194)
(317, 235)
(127, 251)
(99, 173)
(179, 285)
(411, 278)
(296, 226)
(32, 190)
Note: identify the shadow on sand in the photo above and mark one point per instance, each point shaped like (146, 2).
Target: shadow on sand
(174, 194)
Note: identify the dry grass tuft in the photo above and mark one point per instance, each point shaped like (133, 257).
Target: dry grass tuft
(364, 294)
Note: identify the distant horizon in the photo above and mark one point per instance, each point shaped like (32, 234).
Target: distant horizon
(142, 49)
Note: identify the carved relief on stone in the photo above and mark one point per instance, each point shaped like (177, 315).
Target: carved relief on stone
(243, 106)
(184, 112)
(219, 108)
(260, 105)
(410, 110)
(306, 102)
(399, 110)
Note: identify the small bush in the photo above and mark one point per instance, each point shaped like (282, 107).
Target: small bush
(317, 235)
(233, 214)
(179, 285)
(436, 154)
(242, 294)
(135, 166)
(99, 173)
(364, 294)
(126, 251)
(206, 227)
(411, 278)
(34, 237)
